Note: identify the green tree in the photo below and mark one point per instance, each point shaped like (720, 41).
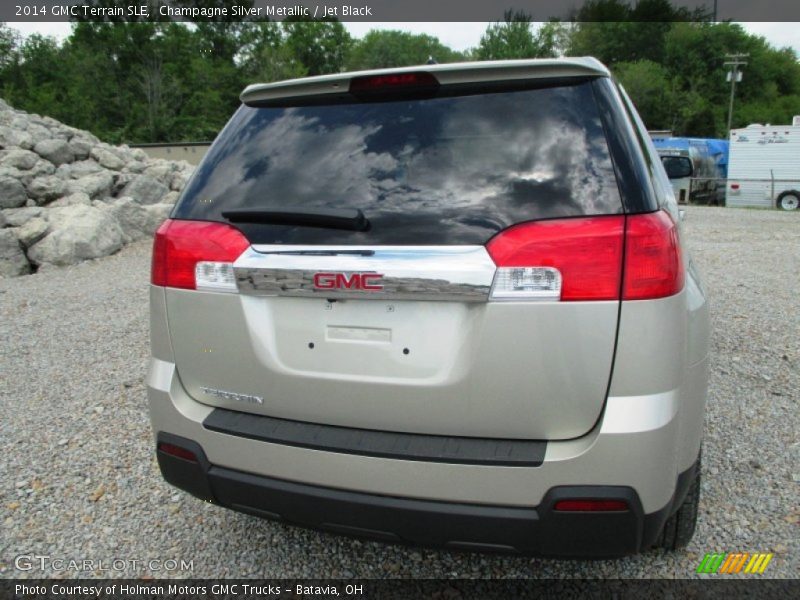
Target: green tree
(165, 81)
(9, 44)
(34, 78)
(648, 85)
(614, 31)
(390, 48)
(321, 45)
(514, 37)
(267, 57)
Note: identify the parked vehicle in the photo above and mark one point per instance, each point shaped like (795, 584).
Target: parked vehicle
(765, 166)
(696, 168)
(448, 305)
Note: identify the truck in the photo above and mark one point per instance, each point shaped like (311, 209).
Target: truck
(696, 167)
(765, 166)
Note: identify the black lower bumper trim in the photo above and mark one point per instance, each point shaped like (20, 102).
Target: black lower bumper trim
(536, 530)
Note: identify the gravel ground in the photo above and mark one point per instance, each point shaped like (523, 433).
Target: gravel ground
(79, 481)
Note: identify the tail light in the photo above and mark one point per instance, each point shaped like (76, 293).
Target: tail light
(581, 259)
(196, 255)
(653, 264)
(570, 259)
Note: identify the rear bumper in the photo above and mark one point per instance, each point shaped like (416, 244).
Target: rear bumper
(539, 530)
(633, 453)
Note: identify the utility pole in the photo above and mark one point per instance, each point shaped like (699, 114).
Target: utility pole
(734, 75)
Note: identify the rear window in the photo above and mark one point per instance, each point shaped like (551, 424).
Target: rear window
(436, 171)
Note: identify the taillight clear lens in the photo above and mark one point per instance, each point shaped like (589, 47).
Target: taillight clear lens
(574, 259)
(214, 276)
(196, 255)
(527, 282)
(653, 263)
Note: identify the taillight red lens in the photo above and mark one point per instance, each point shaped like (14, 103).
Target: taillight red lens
(591, 505)
(653, 263)
(180, 245)
(586, 251)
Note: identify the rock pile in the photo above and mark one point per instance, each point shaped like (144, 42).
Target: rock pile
(66, 197)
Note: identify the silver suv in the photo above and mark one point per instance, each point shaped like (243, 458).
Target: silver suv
(447, 305)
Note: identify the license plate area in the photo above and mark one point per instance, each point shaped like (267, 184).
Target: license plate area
(383, 341)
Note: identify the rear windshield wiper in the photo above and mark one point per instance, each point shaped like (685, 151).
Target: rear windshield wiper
(330, 218)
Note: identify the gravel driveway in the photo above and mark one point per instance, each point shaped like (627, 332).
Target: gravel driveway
(79, 479)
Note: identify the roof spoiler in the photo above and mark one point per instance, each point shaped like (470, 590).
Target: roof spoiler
(446, 74)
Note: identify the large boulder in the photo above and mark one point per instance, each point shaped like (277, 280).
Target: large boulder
(80, 148)
(179, 178)
(65, 196)
(135, 166)
(17, 217)
(96, 185)
(19, 159)
(171, 198)
(145, 190)
(56, 150)
(12, 193)
(32, 231)
(107, 158)
(71, 200)
(158, 213)
(79, 169)
(46, 188)
(161, 170)
(10, 138)
(12, 257)
(78, 233)
(137, 221)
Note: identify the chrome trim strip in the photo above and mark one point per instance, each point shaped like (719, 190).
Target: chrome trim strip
(446, 273)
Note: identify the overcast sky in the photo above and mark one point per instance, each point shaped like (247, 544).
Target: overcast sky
(459, 36)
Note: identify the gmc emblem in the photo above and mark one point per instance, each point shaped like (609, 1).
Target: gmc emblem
(368, 282)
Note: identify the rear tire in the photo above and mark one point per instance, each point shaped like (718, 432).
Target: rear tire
(679, 528)
(788, 201)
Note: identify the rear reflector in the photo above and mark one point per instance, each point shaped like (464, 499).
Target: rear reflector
(653, 263)
(591, 505)
(173, 450)
(574, 259)
(196, 255)
(393, 82)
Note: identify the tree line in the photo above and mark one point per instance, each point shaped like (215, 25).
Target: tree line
(165, 81)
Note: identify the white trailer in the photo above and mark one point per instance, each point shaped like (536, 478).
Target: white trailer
(764, 167)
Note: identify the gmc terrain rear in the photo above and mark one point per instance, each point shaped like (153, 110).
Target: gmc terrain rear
(445, 305)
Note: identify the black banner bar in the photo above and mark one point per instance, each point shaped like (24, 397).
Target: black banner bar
(360, 589)
(370, 10)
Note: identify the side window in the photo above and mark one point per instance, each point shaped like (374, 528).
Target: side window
(658, 176)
